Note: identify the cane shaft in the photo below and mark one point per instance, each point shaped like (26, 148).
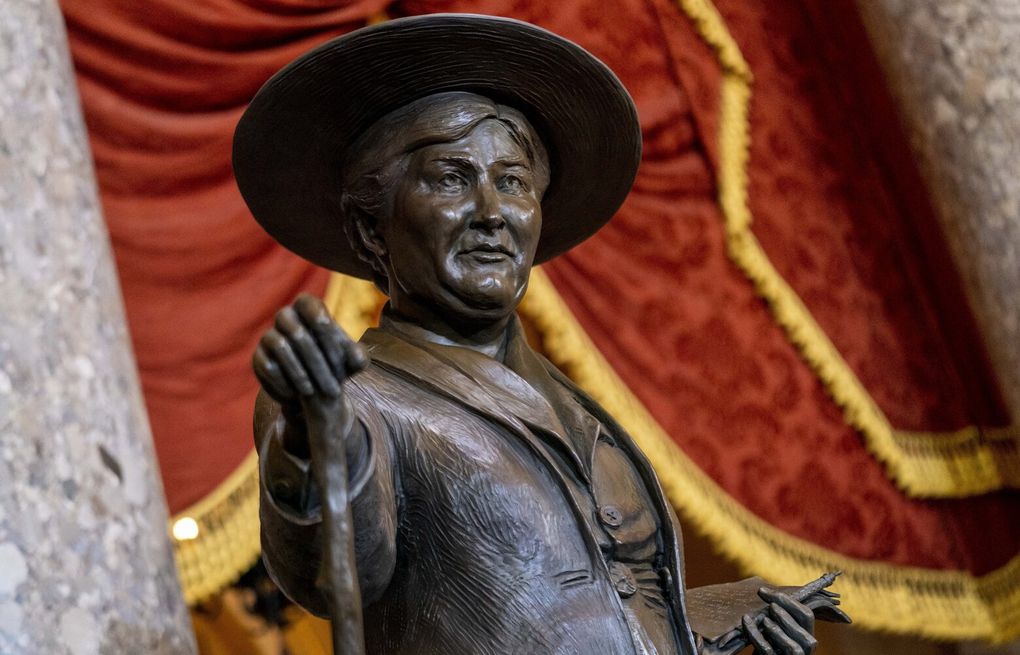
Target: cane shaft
(339, 575)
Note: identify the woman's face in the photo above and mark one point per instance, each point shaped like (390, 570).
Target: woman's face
(464, 226)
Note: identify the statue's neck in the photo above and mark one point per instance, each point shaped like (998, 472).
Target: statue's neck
(489, 339)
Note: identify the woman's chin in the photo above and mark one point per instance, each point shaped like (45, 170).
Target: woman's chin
(486, 304)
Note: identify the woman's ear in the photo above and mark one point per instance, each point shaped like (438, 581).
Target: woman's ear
(370, 237)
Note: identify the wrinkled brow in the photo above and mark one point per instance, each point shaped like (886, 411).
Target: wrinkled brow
(467, 162)
(511, 163)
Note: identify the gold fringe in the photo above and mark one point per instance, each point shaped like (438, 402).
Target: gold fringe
(901, 599)
(923, 464)
(226, 543)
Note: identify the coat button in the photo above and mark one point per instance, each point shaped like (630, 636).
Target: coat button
(610, 516)
(623, 579)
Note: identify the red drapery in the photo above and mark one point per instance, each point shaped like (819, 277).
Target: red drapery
(164, 82)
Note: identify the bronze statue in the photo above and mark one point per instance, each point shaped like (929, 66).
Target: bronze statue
(475, 497)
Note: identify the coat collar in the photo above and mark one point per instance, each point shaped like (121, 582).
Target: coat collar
(517, 392)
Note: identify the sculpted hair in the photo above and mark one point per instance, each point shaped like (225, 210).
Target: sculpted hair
(379, 157)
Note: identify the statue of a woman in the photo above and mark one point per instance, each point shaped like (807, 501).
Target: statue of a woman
(496, 508)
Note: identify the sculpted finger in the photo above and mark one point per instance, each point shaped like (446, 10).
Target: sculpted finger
(346, 355)
(830, 599)
(800, 613)
(731, 642)
(779, 639)
(277, 346)
(815, 602)
(309, 306)
(815, 605)
(357, 358)
(821, 603)
(270, 376)
(325, 330)
(754, 635)
(793, 628)
(308, 351)
(823, 595)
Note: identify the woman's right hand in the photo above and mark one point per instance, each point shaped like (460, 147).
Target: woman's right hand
(302, 362)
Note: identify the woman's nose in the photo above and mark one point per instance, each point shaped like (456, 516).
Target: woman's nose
(488, 210)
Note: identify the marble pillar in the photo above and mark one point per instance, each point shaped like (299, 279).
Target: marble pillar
(954, 68)
(86, 566)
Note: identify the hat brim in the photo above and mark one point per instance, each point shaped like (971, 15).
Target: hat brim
(290, 142)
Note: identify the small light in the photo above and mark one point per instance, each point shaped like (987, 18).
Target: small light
(185, 529)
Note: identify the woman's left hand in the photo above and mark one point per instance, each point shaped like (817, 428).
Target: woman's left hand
(787, 627)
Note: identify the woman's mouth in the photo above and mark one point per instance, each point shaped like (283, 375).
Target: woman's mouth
(487, 253)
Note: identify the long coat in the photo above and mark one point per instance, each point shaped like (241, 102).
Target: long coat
(469, 539)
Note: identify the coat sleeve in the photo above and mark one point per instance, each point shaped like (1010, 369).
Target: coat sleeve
(291, 517)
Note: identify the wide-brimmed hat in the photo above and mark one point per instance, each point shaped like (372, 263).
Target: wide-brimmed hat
(292, 140)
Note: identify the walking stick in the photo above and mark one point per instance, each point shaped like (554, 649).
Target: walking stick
(338, 575)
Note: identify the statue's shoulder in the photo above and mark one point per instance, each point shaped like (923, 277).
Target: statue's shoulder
(375, 381)
(391, 378)
(392, 355)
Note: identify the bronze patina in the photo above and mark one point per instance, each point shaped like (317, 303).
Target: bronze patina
(439, 485)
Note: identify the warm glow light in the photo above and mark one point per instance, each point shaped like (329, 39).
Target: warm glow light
(185, 528)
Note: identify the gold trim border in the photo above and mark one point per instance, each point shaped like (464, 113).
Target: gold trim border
(908, 600)
(923, 464)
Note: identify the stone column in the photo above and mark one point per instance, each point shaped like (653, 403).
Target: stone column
(85, 560)
(954, 67)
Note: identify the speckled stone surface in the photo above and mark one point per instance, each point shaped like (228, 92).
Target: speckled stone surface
(85, 561)
(954, 66)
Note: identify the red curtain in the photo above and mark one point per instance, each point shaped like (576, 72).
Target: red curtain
(838, 212)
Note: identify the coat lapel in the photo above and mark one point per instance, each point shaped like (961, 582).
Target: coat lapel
(579, 427)
(477, 381)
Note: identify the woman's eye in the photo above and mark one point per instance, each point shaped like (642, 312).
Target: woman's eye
(451, 182)
(511, 184)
